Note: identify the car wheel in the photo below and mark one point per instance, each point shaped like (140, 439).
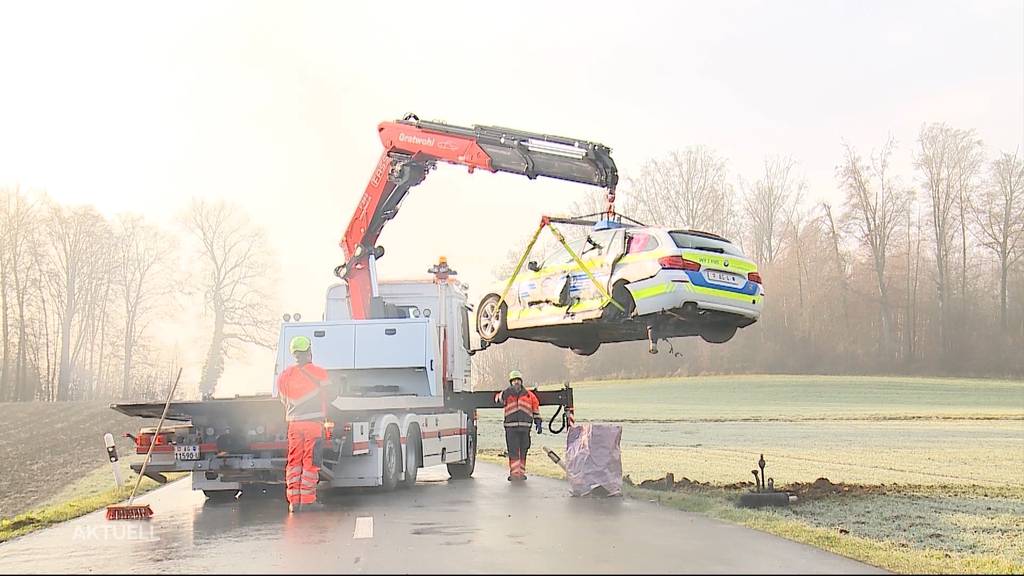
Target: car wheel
(621, 295)
(392, 458)
(491, 320)
(717, 333)
(585, 348)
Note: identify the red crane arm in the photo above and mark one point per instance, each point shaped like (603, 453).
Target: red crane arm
(413, 147)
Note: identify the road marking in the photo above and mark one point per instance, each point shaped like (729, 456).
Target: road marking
(364, 528)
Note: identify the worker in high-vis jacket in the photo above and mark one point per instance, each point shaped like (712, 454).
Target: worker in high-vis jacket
(301, 389)
(522, 411)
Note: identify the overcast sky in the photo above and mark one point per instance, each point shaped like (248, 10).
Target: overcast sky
(140, 106)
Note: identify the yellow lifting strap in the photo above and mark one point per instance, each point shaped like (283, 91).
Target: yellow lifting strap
(561, 239)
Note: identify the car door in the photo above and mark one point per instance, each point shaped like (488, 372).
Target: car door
(598, 252)
(536, 285)
(556, 282)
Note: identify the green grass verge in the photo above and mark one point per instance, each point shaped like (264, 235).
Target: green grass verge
(891, 554)
(90, 493)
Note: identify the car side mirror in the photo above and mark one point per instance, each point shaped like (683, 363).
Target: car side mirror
(533, 266)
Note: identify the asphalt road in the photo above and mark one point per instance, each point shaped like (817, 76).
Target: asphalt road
(478, 525)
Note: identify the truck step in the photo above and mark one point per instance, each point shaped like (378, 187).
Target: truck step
(326, 472)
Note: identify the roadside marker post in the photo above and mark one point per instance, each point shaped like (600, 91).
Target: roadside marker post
(108, 440)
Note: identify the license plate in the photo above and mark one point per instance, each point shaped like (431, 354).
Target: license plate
(723, 277)
(186, 452)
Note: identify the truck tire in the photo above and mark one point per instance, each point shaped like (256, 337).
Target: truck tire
(464, 469)
(220, 495)
(391, 458)
(492, 320)
(413, 449)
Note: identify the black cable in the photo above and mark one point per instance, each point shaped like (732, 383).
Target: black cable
(565, 420)
(672, 350)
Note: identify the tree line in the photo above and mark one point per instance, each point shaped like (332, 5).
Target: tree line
(914, 272)
(83, 296)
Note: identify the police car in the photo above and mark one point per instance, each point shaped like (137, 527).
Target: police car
(635, 283)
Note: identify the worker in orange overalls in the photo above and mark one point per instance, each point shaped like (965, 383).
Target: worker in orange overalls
(522, 410)
(301, 390)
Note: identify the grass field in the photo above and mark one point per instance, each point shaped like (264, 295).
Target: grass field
(56, 465)
(935, 467)
(51, 450)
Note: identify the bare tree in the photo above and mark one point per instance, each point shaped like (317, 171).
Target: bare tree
(840, 262)
(5, 299)
(236, 285)
(999, 214)
(876, 204)
(141, 283)
(78, 242)
(689, 188)
(769, 205)
(948, 160)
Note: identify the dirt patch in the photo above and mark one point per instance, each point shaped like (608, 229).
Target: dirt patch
(662, 483)
(805, 491)
(824, 488)
(47, 446)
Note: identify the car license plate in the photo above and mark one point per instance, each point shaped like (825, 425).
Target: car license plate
(723, 277)
(186, 452)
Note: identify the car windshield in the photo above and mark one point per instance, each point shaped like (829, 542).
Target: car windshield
(695, 241)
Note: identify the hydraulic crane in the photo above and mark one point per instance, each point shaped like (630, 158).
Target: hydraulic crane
(413, 147)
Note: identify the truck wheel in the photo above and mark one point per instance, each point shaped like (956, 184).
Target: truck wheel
(464, 469)
(412, 458)
(492, 320)
(392, 458)
(220, 495)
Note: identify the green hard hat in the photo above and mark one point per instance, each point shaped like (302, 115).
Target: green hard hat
(300, 344)
(515, 374)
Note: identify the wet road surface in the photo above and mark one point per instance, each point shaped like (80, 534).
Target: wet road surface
(479, 525)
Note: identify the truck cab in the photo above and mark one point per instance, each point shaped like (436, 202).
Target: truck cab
(422, 339)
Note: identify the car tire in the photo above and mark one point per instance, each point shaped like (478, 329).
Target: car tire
(492, 320)
(622, 295)
(391, 459)
(585, 348)
(717, 333)
(413, 447)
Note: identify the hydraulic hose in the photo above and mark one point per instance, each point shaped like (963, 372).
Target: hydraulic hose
(565, 420)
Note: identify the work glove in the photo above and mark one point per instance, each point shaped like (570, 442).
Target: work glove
(540, 425)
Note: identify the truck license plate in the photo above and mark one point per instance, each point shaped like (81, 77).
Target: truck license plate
(186, 452)
(723, 278)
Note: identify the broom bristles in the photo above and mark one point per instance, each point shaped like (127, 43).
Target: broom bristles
(143, 512)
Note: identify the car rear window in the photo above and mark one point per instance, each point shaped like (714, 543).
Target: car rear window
(641, 242)
(700, 242)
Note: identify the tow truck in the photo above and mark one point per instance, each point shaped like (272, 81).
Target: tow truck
(398, 353)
